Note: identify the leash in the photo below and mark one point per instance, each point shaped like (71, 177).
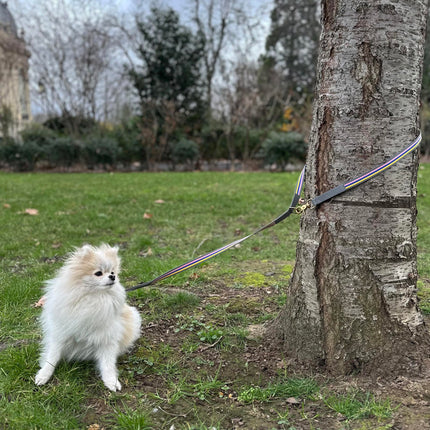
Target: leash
(297, 206)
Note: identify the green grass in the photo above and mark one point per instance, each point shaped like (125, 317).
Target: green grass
(133, 420)
(423, 222)
(303, 388)
(357, 404)
(201, 211)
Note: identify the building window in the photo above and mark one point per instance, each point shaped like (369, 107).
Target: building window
(23, 99)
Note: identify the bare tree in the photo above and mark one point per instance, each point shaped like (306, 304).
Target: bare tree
(248, 102)
(76, 64)
(292, 44)
(228, 29)
(353, 304)
(212, 19)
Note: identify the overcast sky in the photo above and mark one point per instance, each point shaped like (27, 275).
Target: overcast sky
(239, 46)
(258, 10)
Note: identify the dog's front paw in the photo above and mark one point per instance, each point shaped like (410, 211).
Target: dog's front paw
(43, 376)
(112, 383)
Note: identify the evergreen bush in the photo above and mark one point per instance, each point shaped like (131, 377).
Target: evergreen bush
(184, 152)
(63, 152)
(281, 147)
(99, 151)
(20, 156)
(38, 134)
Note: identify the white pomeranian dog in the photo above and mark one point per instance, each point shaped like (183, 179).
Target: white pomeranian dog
(85, 315)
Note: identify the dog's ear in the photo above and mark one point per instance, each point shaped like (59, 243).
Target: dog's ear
(112, 253)
(83, 251)
(107, 249)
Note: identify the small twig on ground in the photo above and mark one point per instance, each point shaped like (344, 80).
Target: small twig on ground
(174, 290)
(199, 245)
(172, 415)
(211, 346)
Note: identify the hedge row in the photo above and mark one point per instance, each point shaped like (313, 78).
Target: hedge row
(43, 147)
(60, 152)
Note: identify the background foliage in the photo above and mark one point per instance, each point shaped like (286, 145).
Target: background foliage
(141, 84)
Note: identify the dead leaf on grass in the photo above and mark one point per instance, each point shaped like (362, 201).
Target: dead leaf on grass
(40, 302)
(56, 245)
(95, 427)
(6, 205)
(237, 422)
(147, 215)
(146, 253)
(31, 212)
(159, 201)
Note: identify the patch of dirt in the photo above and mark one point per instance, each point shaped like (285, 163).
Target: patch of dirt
(170, 366)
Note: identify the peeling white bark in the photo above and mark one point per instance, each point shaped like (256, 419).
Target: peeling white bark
(353, 291)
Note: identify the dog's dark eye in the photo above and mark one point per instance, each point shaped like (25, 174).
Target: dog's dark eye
(99, 273)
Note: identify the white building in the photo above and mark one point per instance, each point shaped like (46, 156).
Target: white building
(15, 112)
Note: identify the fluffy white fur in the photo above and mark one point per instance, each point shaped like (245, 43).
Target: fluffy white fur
(85, 315)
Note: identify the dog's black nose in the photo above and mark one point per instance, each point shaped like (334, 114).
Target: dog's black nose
(112, 277)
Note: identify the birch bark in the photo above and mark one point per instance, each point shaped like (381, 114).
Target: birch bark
(353, 304)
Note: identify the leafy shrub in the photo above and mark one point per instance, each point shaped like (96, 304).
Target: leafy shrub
(99, 151)
(129, 140)
(280, 148)
(63, 151)
(38, 134)
(78, 125)
(213, 142)
(20, 156)
(184, 151)
(247, 141)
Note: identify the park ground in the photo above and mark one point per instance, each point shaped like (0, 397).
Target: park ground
(201, 362)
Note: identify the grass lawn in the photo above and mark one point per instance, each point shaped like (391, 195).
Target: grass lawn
(195, 366)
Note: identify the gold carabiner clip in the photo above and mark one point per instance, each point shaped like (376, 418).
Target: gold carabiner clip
(302, 206)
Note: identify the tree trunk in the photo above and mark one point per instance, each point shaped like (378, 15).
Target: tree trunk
(353, 304)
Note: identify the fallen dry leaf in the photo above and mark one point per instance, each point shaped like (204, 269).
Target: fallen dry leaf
(40, 303)
(56, 245)
(159, 201)
(146, 253)
(6, 205)
(95, 427)
(146, 215)
(31, 212)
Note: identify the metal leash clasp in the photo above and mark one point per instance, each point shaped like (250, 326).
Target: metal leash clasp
(302, 206)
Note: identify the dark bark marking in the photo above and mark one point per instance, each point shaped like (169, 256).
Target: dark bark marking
(398, 203)
(323, 152)
(368, 72)
(329, 9)
(388, 9)
(294, 326)
(363, 8)
(330, 312)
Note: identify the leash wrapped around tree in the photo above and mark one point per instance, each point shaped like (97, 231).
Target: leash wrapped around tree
(297, 206)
